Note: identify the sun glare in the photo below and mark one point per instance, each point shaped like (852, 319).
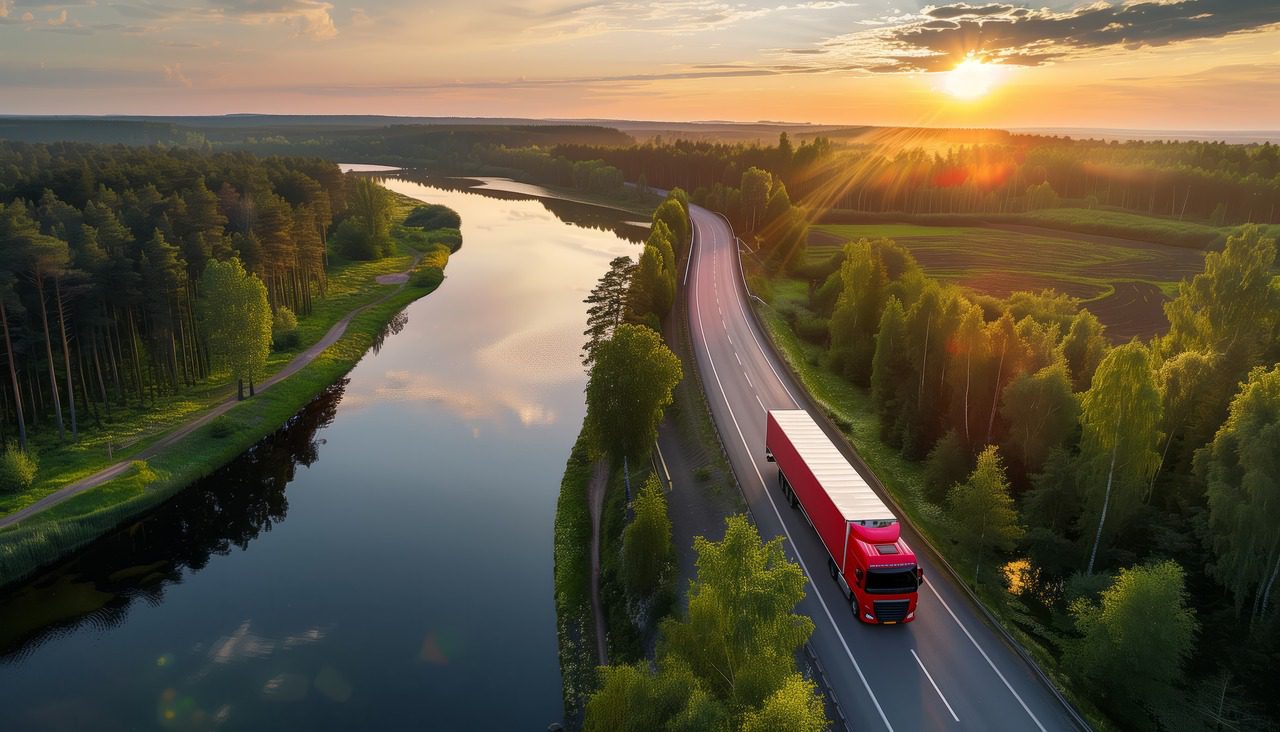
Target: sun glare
(971, 79)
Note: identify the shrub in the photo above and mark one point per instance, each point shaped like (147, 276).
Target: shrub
(17, 470)
(812, 329)
(759, 286)
(428, 278)
(436, 255)
(451, 238)
(144, 472)
(433, 216)
(352, 240)
(284, 329)
(222, 426)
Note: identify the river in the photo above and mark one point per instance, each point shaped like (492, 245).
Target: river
(382, 562)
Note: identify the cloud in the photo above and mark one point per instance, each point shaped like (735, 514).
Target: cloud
(947, 12)
(308, 18)
(943, 35)
(670, 16)
(173, 74)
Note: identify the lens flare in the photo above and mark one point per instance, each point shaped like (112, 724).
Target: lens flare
(971, 79)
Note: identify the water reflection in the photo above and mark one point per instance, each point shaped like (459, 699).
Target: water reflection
(585, 215)
(412, 584)
(138, 562)
(392, 327)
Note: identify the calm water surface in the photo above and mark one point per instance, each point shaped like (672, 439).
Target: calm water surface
(384, 562)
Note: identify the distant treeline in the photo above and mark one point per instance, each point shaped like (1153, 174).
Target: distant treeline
(102, 252)
(452, 146)
(1213, 183)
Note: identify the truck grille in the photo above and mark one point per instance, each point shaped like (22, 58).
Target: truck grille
(892, 611)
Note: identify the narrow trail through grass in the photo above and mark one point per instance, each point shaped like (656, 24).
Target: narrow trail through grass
(167, 440)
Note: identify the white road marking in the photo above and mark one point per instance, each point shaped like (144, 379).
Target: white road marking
(693, 242)
(830, 618)
(985, 656)
(929, 676)
(735, 355)
(738, 299)
(744, 373)
(786, 531)
(762, 408)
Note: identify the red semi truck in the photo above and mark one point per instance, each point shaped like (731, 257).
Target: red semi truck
(867, 557)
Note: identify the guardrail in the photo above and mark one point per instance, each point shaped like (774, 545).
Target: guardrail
(814, 408)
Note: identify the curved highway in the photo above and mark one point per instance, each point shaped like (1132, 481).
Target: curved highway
(947, 670)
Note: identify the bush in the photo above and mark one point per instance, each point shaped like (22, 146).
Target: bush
(222, 426)
(436, 255)
(17, 470)
(428, 278)
(352, 240)
(451, 238)
(759, 286)
(813, 329)
(144, 472)
(433, 216)
(284, 329)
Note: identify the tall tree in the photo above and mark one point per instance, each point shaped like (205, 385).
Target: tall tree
(983, 510)
(646, 541)
(630, 385)
(1136, 641)
(1042, 414)
(756, 186)
(237, 320)
(857, 313)
(740, 634)
(1084, 347)
(607, 305)
(1120, 417)
(47, 258)
(1241, 469)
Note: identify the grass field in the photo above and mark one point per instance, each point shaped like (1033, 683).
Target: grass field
(1124, 283)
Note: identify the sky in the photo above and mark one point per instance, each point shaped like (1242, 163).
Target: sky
(1140, 64)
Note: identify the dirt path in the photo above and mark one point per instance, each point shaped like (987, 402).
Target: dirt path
(595, 501)
(112, 471)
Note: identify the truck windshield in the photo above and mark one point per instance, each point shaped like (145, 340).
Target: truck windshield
(891, 581)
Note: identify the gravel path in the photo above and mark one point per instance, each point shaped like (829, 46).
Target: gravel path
(595, 500)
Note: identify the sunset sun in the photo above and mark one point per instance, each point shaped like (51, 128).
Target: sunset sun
(971, 79)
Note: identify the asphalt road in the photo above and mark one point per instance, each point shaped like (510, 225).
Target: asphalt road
(947, 670)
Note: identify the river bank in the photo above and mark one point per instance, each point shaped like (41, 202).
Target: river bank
(385, 561)
(93, 494)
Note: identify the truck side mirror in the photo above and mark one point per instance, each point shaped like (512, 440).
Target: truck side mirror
(919, 576)
(858, 573)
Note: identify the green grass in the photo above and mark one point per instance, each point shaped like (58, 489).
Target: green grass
(1129, 226)
(851, 409)
(575, 627)
(1111, 279)
(1099, 221)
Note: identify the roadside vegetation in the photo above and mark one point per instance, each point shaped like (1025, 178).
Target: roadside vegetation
(1080, 488)
(633, 375)
(220, 329)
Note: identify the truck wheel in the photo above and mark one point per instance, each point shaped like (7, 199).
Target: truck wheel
(831, 567)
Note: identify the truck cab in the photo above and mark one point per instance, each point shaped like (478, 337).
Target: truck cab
(886, 577)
